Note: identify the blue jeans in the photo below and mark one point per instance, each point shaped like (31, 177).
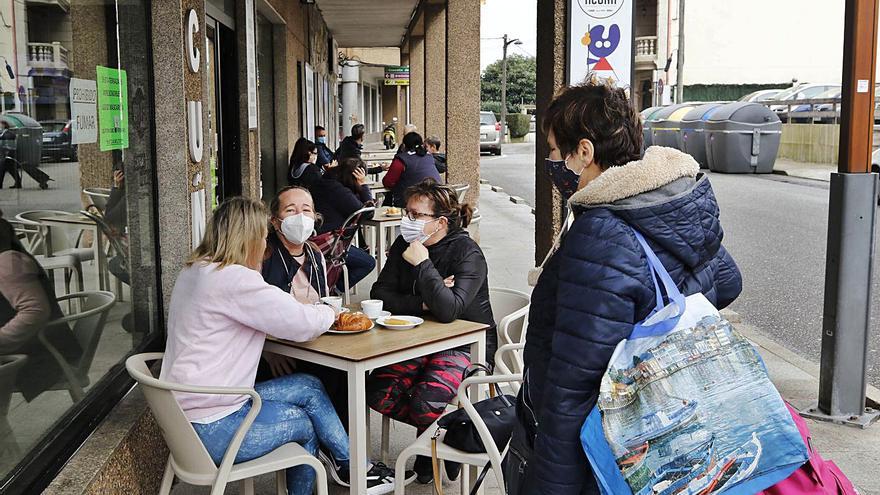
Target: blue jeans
(295, 409)
(360, 264)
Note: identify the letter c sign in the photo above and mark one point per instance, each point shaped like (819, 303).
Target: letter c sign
(192, 49)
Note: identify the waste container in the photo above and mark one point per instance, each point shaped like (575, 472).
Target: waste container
(28, 138)
(647, 122)
(666, 125)
(692, 139)
(742, 137)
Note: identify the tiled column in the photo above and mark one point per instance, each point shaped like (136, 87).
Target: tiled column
(463, 95)
(550, 77)
(435, 71)
(417, 82)
(250, 143)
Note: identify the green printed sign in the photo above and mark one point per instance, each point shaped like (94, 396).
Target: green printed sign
(112, 108)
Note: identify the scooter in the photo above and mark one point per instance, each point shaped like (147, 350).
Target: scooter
(389, 137)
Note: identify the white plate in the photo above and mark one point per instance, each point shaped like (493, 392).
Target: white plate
(414, 322)
(341, 332)
(383, 314)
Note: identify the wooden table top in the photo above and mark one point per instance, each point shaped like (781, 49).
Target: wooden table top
(381, 218)
(380, 341)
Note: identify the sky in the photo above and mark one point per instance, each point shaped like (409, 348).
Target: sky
(514, 17)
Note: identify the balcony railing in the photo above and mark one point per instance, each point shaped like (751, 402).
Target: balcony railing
(48, 55)
(646, 52)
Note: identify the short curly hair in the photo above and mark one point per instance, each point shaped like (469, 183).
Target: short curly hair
(600, 112)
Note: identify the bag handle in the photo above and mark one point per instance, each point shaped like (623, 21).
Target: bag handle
(658, 271)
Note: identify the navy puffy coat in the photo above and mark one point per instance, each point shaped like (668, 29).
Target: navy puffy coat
(598, 284)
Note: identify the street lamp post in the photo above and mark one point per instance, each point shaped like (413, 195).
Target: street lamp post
(504, 85)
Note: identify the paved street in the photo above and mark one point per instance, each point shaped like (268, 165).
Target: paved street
(775, 228)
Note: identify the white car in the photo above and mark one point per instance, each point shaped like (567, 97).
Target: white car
(490, 133)
(803, 91)
(761, 95)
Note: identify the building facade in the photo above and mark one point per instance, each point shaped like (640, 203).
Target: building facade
(154, 112)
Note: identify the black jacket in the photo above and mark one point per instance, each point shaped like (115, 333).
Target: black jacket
(403, 287)
(325, 155)
(440, 162)
(348, 148)
(336, 203)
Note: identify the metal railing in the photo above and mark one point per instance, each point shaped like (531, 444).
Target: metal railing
(788, 109)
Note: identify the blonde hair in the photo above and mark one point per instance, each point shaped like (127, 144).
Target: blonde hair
(234, 233)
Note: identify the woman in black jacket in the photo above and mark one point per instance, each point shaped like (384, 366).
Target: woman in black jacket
(303, 170)
(433, 268)
(338, 194)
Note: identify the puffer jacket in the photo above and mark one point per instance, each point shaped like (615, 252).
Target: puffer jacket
(598, 284)
(404, 288)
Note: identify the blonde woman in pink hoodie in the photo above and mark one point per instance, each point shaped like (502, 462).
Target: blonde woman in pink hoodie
(221, 311)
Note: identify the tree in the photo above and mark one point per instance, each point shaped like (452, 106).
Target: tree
(521, 72)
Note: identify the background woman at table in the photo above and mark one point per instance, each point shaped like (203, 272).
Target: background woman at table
(410, 166)
(220, 313)
(341, 192)
(433, 268)
(303, 170)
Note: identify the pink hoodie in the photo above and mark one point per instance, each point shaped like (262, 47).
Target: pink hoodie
(217, 324)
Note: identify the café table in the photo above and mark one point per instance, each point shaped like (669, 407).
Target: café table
(382, 222)
(358, 353)
(82, 222)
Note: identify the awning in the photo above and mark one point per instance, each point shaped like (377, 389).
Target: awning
(377, 23)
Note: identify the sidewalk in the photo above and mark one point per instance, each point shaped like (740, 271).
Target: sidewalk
(804, 170)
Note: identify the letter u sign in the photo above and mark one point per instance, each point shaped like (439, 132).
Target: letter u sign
(194, 118)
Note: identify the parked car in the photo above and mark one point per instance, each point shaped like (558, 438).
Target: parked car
(761, 95)
(803, 91)
(57, 141)
(490, 133)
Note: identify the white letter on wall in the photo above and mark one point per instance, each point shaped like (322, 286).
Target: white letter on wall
(194, 118)
(192, 49)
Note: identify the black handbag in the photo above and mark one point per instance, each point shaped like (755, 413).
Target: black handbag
(498, 413)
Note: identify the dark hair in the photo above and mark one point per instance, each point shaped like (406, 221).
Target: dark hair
(319, 128)
(444, 201)
(433, 141)
(344, 172)
(601, 113)
(358, 131)
(412, 141)
(301, 151)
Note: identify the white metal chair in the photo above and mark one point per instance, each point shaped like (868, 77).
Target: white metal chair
(98, 196)
(27, 233)
(87, 327)
(461, 191)
(65, 244)
(422, 445)
(189, 460)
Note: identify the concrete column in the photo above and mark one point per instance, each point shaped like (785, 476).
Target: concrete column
(551, 75)
(403, 95)
(463, 97)
(435, 71)
(351, 75)
(417, 82)
(250, 142)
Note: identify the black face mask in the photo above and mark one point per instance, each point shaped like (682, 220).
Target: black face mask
(563, 177)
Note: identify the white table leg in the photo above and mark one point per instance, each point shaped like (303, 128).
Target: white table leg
(478, 355)
(357, 428)
(383, 240)
(100, 259)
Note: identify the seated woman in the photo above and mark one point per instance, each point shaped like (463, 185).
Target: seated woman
(411, 165)
(434, 268)
(221, 302)
(341, 192)
(27, 305)
(303, 169)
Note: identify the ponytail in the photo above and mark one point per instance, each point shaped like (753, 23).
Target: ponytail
(466, 214)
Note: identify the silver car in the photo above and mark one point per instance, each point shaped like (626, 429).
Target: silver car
(490, 133)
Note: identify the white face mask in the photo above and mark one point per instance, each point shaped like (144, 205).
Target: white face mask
(414, 230)
(298, 228)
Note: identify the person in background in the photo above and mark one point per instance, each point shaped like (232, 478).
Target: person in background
(352, 146)
(27, 306)
(596, 283)
(116, 210)
(433, 268)
(408, 128)
(432, 144)
(303, 170)
(341, 192)
(326, 158)
(221, 301)
(7, 147)
(409, 168)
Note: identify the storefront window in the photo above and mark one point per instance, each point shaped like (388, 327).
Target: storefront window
(78, 291)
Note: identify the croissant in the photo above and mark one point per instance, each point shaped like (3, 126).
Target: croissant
(353, 322)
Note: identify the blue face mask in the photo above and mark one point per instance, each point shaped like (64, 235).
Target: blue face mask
(562, 177)
(322, 139)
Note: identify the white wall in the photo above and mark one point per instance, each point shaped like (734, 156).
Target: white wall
(757, 41)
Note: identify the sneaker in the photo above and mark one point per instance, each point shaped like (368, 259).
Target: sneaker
(380, 478)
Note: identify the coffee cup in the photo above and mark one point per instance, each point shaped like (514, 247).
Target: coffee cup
(334, 301)
(372, 308)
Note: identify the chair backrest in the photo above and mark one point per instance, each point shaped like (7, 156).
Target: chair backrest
(461, 191)
(116, 238)
(59, 242)
(88, 324)
(185, 445)
(98, 196)
(9, 366)
(510, 309)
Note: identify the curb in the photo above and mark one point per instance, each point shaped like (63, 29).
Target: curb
(496, 189)
(518, 200)
(513, 199)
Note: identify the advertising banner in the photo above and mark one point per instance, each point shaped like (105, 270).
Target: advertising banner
(600, 41)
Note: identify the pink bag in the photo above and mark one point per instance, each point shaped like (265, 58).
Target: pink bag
(817, 476)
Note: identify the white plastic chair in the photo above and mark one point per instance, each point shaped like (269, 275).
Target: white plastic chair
(98, 196)
(189, 460)
(461, 191)
(87, 327)
(27, 233)
(515, 356)
(422, 445)
(10, 365)
(65, 244)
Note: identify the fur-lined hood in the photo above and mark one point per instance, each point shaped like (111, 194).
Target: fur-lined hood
(659, 167)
